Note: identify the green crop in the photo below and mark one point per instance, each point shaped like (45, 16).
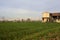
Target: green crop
(29, 31)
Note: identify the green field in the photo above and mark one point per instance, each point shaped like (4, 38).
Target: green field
(29, 31)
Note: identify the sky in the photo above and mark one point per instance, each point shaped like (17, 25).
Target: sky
(27, 8)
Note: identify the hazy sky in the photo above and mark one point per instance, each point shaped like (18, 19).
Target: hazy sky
(27, 8)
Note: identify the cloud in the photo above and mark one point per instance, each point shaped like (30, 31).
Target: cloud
(27, 8)
(35, 5)
(18, 12)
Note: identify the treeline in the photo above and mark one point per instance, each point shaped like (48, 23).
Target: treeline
(18, 20)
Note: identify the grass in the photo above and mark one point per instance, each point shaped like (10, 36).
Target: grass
(29, 31)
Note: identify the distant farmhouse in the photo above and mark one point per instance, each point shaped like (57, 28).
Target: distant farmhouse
(50, 17)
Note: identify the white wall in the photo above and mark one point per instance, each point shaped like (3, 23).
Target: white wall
(45, 14)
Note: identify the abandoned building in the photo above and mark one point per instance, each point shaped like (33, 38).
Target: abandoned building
(50, 17)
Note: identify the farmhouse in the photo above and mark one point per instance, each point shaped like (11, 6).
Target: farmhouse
(50, 17)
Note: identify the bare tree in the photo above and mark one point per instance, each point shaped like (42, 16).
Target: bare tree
(3, 19)
(22, 20)
(28, 20)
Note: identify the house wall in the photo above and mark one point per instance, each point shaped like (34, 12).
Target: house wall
(45, 20)
(58, 21)
(45, 14)
(50, 17)
(56, 17)
(45, 17)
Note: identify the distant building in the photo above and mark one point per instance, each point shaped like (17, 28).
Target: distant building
(50, 17)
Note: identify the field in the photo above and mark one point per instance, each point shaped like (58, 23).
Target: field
(29, 31)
